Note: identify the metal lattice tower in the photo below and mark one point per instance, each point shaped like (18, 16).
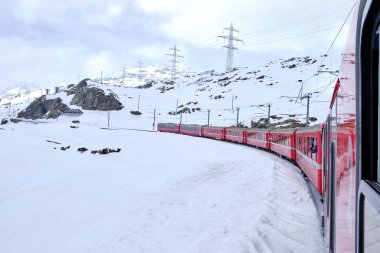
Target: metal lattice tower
(174, 61)
(230, 46)
(140, 70)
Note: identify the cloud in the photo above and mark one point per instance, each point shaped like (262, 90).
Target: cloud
(48, 41)
(154, 51)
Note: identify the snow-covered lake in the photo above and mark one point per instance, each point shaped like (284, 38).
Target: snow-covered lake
(161, 193)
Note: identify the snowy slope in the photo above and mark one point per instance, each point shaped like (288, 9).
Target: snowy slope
(159, 194)
(276, 83)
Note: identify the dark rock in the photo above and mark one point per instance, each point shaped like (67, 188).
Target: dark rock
(74, 126)
(76, 121)
(94, 98)
(4, 121)
(15, 120)
(43, 108)
(64, 148)
(83, 149)
(135, 112)
(114, 150)
(104, 151)
(74, 88)
(223, 79)
(147, 85)
(260, 77)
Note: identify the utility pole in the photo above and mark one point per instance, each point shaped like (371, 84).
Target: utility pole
(233, 97)
(269, 105)
(176, 108)
(174, 61)
(108, 118)
(180, 119)
(230, 46)
(138, 104)
(300, 96)
(101, 77)
(140, 70)
(123, 75)
(237, 116)
(208, 118)
(154, 118)
(307, 96)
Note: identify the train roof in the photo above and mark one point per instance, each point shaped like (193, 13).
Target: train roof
(315, 128)
(167, 123)
(190, 125)
(214, 127)
(237, 128)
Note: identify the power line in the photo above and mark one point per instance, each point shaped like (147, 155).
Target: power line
(325, 55)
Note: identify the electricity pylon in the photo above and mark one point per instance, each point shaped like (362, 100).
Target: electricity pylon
(174, 61)
(139, 77)
(230, 46)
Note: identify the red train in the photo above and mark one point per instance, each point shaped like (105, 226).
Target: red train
(306, 153)
(342, 156)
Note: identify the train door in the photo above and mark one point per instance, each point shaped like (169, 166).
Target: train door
(330, 144)
(368, 133)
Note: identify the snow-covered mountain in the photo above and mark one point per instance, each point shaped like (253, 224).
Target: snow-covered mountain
(136, 76)
(241, 95)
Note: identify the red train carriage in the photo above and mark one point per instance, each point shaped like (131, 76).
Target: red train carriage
(308, 144)
(282, 142)
(258, 138)
(235, 134)
(214, 132)
(193, 130)
(352, 184)
(168, 127)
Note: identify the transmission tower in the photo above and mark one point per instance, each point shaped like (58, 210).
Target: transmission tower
(230, 46)
(140, 70)
(174, 61)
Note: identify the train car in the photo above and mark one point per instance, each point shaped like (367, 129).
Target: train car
(193, 130)
(258, 138)
(308, 144)
(214, 132)
(351, 141)
(168, 127)
(235, 134)
(282, 141)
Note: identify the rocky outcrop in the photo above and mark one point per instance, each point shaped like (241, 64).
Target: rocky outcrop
(43, 108)
(74, 88)
(92, 98)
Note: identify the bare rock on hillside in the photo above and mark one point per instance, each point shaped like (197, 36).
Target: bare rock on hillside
(92, 98)
(43, 108)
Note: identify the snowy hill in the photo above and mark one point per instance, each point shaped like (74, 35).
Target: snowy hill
(277, 83)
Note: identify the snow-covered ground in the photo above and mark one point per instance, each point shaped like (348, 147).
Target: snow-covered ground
(161, 193)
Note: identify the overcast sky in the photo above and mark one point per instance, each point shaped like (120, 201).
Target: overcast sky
(50, 42)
